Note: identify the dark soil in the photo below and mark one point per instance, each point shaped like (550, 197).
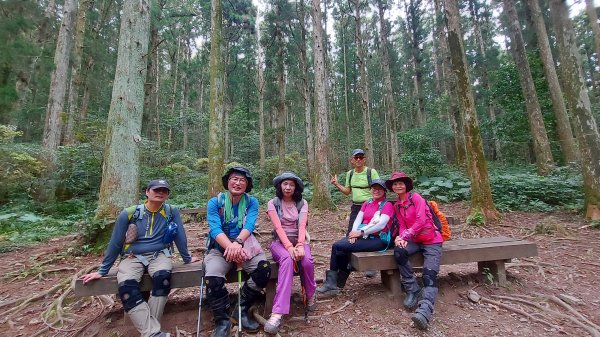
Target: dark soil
(567, 266)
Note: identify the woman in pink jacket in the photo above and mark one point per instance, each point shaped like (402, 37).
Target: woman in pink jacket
(288, 213)
(417, 233)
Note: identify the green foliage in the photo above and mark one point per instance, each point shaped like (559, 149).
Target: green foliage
(201, 165)
(8, 133)
(454, 187)
(18, 169)
(420, 156)
(19, 229)
(476, 218)
(79, 171)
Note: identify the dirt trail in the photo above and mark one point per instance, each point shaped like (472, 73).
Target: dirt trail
(566, 267)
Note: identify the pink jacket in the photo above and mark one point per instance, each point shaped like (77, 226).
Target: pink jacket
(415, 221)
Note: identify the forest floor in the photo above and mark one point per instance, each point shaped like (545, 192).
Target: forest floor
(35, 278)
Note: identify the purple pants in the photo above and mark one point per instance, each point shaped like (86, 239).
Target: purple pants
(285, 278)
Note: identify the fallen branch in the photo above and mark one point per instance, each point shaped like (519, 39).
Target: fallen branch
(572, 310)
(329, 313)
(521, 312)
(261, 320)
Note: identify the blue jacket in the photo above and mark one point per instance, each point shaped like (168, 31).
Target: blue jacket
(151, 228)
(216, 220)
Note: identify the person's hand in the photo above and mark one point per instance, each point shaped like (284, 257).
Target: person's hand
(400, 243)
(351, 240)
(234, 252)
(354, 235)
(292, 251)
(334, 179)
(299, 252)
(89, 277)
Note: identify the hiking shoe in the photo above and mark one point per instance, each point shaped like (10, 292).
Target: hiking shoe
(330, 286)
(411, 300)
(273, 324)
(370, 274)
(222, 328)
(420, 321)
(342, 277)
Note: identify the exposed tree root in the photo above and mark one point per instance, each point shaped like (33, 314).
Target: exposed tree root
(261, 320)
(521, 312)
(329, 313)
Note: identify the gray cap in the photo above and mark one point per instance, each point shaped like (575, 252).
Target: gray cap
(289, 176)
(158, 184)
(379, 182)
(357, 152)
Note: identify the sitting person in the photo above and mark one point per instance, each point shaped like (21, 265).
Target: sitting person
(231, 219)
(417, 233)
(289, 214)
(373, 219)
(142, 238)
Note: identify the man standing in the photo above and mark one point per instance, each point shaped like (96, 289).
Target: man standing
(358, 181)
(143, 237)
(232, 218)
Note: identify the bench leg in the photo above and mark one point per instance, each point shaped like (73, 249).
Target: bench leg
(496, 268)
(269, 297)
(391, 281)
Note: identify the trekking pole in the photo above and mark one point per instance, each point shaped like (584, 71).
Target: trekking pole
(200, 304)
(300, 270)
(239, 276)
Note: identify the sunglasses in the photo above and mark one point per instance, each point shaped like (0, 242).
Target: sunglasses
(359, 157)
(160, 190)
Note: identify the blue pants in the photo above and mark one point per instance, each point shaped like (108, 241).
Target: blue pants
(341, 250)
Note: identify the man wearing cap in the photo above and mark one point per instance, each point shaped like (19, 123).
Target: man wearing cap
(232, 218)
(143, 237)
(357, 183)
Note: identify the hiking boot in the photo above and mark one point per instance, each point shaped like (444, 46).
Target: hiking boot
(342, 277)
(370, 274)
(273, 324)
(423, 315)
(411, 300)
(330, 287)
(222, 328)
(248, 296)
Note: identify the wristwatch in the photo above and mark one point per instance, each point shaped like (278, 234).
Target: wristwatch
(362, 233)
(239, 240)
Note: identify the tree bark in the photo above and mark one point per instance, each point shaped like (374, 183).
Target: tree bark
(308, 124)
(76, 78)
(578, 102)
(541, 145)
(563, 125)
(364, 84)
(216, 151)
(593, 17)
(322, 196)
(413, 22)
(150, 118)
(260, 74)
(390, 103)
(120, 185)
(281, 114)
(481, 194)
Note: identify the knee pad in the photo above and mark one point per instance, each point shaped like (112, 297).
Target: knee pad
(129, 292)
(429, 278)
(215, 287)
(261, 274)
(161, 283)
(401, 256)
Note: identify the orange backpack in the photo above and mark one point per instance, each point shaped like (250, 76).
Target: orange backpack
(445, 230)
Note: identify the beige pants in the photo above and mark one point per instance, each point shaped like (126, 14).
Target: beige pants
(216, 265)
(146, 316)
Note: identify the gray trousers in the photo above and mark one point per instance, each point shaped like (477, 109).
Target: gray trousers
(215, 265)
(431, 255)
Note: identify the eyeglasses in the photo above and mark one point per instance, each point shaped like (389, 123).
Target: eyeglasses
(240, 180)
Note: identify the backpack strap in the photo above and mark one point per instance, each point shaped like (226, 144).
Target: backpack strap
(135, 212)
(369, 176)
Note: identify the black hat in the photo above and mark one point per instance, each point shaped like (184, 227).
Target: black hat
(378, 182)
(357, 152)
(241, 170)
(158, 183)
(289, 176)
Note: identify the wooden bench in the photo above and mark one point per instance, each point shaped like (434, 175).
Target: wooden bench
(182, 276)
(489, 253)
(197, 213)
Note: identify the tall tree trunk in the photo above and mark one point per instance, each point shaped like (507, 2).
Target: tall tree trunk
(216, 151)
(482, 66)
(56, 102)
(481, 194)
(394, 152)
(120, 185)
(260, 74)
(452, 112)
(173, 99)
(563, 125)
(75, 82)
(413, 24)
(308, 125)
(593, 17)
(150, 119)
(346, 109)
(322, 196)
(281, 114)
(578, 102)
(184, 110)
(541, 145)
(364, 83)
